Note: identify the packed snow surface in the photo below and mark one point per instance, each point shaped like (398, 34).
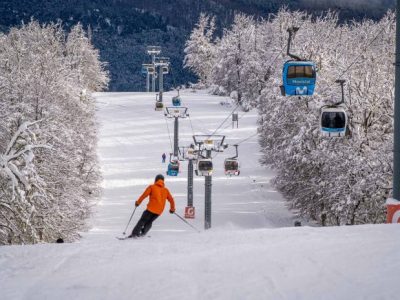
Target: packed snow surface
(251, 252)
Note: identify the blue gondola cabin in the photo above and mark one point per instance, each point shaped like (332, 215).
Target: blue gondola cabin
(299, 78)
(173, 168)
(176, 101)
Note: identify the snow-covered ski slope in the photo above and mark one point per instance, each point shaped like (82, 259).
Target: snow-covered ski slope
(132, 140)
(252, 252)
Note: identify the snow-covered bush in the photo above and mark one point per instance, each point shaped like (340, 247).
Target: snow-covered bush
(331, 180)
(48, 132)
(334, 180)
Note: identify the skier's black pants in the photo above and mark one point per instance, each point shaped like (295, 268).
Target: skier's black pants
(144, 224)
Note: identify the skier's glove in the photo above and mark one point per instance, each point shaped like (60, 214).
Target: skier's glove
(136, 204)
(171, 211)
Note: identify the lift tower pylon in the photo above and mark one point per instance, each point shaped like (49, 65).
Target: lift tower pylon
(153, 51)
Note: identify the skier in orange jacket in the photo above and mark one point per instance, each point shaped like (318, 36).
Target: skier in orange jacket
(158, 195)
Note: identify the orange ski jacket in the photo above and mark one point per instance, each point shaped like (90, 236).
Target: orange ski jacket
(158, 195)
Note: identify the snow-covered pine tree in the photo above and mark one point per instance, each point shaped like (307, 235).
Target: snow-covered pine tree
(42, 82)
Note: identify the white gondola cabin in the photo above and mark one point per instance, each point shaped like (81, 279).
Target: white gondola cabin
(165, 69)
(333, 121)
(159, 105)
(204, 167)
(231, 166)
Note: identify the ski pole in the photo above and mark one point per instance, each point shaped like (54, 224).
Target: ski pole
(129, 221)
(186, 222)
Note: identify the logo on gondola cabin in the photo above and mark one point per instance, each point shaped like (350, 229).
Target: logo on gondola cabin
(301, 90)
(297, 81)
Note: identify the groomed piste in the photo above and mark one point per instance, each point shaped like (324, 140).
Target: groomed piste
(252, 251)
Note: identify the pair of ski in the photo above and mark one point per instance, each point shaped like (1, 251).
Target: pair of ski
(122, 238)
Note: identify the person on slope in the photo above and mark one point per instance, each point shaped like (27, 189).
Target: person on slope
(163, 157)
(158, 195)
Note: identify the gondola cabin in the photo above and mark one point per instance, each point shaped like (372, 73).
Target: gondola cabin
(299, 78)
(159, 105)
(176, 101)
(173, 168)
(333, 122)
(204, 167)
(165, 70)
(231, 167)
(151, 70)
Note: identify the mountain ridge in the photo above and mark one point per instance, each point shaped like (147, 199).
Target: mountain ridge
(121, 29)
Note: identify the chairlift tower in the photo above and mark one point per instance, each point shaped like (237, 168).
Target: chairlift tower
(190, 179)
(163, 64)
(209, 144)
(176, 113)
(153, 51)
(189, 155)
(235, 119)
(150, 70)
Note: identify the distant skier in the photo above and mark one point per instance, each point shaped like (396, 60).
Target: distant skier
(158, 195)
(163, 157)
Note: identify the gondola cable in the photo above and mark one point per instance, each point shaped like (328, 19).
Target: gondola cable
(333, 118)
(173, 75)
(215, 131)
(270, 65)
(169, 134)
(241, 116)
(242, 141)
(200, 129)
(362, 52)
(246, 139)
(191, 125)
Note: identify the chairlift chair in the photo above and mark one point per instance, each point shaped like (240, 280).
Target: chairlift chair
(204, 167)
(299, 78)
(333, 121)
